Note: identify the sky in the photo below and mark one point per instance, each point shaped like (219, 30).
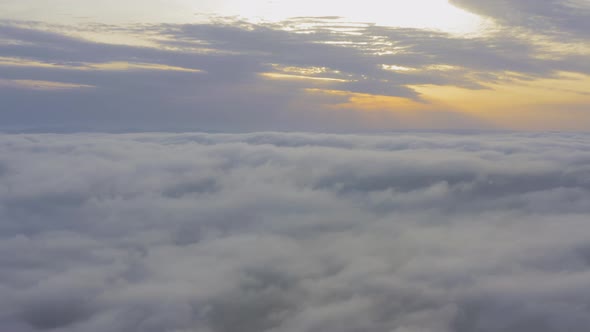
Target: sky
(294, 166)
(284, 65)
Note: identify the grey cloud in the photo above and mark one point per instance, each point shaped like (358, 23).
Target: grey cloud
(560, 18)
(419, 48)
(230, 95)
(294, 232)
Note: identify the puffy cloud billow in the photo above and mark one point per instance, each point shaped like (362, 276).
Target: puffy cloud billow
(295, 232)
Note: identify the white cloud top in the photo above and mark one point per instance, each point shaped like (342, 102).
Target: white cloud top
(294, 233)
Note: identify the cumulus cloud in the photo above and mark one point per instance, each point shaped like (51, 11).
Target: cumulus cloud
(294, 232)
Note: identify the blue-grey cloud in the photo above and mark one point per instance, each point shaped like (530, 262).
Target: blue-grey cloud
(558, 18)
(221, 87)
(294, 232)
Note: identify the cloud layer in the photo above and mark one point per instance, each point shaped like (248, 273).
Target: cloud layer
(302, 74)
(294, 233)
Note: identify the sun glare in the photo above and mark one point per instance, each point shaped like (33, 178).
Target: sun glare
(423, 14)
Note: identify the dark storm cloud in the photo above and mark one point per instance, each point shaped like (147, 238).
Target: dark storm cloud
(294, 232)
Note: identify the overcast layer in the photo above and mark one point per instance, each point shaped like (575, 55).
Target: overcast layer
(294, 233)
(365, 66)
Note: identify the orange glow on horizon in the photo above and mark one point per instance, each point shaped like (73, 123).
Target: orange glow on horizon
(523, 105)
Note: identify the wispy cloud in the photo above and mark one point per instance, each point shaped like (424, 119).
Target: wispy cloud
(228, 71)
(41, 85)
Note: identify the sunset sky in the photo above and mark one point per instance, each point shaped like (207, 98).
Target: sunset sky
(294, 166)
(308, 65)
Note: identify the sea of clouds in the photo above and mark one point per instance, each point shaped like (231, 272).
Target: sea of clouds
(295, 232)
